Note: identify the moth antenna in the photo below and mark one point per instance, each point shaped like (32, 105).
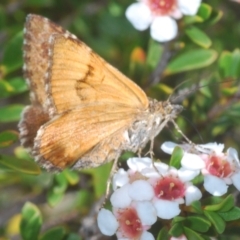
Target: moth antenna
(180, 131)
(193, 88)
(199, 135)
(175, 88)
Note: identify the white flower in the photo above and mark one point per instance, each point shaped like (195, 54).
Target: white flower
(170, 189)
(131, 222)
(160, 16)
(218, 168)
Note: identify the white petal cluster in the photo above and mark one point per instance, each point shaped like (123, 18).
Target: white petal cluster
(142, 194)
(162, 23)
(219, 169)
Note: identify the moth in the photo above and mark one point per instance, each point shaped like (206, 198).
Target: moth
(83, 111)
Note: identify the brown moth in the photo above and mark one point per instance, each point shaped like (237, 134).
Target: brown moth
(83, 111)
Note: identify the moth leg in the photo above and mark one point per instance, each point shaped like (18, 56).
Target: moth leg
(139, 153)
(150, 152)
(113, 170)
(180, 131)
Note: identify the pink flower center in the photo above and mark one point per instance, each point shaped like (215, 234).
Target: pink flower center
(162, 7)
(130, 224)
(218, 166)
(169, 188)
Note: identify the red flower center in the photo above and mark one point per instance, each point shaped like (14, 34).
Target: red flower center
(218, 166)
(129, 223)
(162, 7)
(169, 188)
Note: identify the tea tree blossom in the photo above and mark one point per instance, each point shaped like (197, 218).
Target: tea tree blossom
(160, 16)
(220, 169)
(142, 194)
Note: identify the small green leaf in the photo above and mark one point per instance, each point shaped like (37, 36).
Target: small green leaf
(163, 234)
(12, 55)
(225, 205)
(31, 222)
(196, 205)
(198, 36)
(204, 11)
(198, 223)
(191, 60)
(233, 214)
(10, 113)
(20, 165)
(54, 198)
(216, 220)
(176, 157)
(71, 176)
(224, 63)
(190, 234)
(176, 230)
(215, 17)
(54, 233)
(7, 138)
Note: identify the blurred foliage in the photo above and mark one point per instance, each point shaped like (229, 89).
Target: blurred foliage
(204, 59)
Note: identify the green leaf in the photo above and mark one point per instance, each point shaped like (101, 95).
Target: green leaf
(11, 113)
(190, 60)
(176, 157)
(216, 220)
(196, 205)
(215, 17)
(190, 234)
(225, 205)
(198, 37)
(7, 138)
(224, 63)
(176, 230)
(198, 223)
(204, 11)
(54, 233)
(13, 86)
(163, 234)
(12, 55)
(31, 222)
(71, 176)
(56, 193)
(20, 165)
(233, 214)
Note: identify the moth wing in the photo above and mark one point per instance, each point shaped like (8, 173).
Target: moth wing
(69, 137)
(78, 76)
(37, 31)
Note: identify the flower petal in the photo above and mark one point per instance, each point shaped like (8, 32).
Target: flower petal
(186, 174)
(138, 164)
(192, 161)
(192, 194)
(236, 180)
(189, 7)
(146, 212)
(166, 209)
(120, 178)
(147, 236)
(168, 147)
(120, 198)
(139, 15)
(233, 154)
(216, 147)
(163, 29)
(141, 190)
(107, 222)
(214, 185)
